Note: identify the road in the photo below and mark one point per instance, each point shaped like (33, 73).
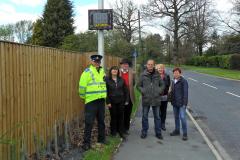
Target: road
(216, 102)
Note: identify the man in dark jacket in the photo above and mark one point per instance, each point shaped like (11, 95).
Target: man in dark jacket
(179, 100)
(151, 87)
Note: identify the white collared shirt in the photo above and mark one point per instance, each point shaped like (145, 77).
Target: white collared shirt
(175, 81)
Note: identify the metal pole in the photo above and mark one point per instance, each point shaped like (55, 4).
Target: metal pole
(101, 36)
(139, 29)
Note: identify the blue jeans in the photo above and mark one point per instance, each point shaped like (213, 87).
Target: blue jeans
(157, 119)
(180, 114)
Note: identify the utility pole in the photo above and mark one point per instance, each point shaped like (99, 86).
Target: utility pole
(101, 36)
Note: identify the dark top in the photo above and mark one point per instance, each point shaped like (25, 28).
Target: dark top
(167, 82)
(151, 86)
(180, 93)
(117, 92)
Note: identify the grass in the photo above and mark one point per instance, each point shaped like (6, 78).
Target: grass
(105, 152)
(225, 73)
(135, 106)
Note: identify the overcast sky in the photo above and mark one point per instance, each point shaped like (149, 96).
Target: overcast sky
(12, 11)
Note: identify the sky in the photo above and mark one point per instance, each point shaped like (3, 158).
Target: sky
(12, 11)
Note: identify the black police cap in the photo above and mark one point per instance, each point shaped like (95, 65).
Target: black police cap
(96, 57)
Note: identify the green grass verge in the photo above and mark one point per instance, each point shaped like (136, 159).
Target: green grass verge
(225, 73)
(135, 106)
(105, 152)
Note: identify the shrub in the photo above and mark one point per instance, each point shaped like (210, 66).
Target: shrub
(224, 61)
(235, 61)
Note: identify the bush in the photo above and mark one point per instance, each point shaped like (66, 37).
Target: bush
(212, 61)
(234, 62)
(222, 61)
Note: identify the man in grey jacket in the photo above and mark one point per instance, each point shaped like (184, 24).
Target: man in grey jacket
(151, 86)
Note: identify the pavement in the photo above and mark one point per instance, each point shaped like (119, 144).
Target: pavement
(170, 148)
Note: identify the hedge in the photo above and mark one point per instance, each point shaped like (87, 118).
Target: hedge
(223, 61)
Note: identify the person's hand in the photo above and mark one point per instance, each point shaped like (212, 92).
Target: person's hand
(126, 103)
(109, 105)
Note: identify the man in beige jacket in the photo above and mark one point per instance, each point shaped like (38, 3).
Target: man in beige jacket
(127, 74)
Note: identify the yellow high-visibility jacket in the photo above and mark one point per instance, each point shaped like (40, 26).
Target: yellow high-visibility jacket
(92, 85)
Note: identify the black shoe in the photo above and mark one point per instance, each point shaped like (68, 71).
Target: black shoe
(159, 136)
(175, 133)
(122, 135)
(86, 147)
(163, 126)
(126, 132)
(185, 137)
(143, 136)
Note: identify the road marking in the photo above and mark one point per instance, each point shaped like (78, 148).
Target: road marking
(209, 85)
(193, 79)
(233, 94)
(207, 140)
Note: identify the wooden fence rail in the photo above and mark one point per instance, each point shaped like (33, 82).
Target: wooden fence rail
(38, 88)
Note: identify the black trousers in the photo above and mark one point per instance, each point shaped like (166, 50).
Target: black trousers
(127, 115)
(117, 118)
(94, 109)
(163, 111)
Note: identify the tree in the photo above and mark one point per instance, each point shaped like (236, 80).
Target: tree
(176, 11)
(154, 47)
(198, 24)
(57, 22)
(125, 18)
(7, 32)
(83, 42)
(117, 45)
(233, 21)
(214, 44)
(37, 35)
(23, 30)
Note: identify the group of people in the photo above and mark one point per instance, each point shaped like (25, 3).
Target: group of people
(115, 90)
(157, 89)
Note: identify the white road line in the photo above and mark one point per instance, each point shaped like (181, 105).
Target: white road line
(193, 79)
(233, 94)
(209, 85)
(207, 140)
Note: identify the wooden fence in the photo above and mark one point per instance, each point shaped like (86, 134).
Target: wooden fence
(38, 88)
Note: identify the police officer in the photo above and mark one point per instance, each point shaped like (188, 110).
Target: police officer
(92, 89)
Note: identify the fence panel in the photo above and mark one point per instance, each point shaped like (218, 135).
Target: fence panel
(39, 87)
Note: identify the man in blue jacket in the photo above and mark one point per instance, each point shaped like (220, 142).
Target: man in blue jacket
(179, 100)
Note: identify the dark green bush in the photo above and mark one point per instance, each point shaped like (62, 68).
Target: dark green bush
(222, 61)
(234, 62)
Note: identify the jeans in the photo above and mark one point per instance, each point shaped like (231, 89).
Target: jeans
(157, 120)
(180, 114)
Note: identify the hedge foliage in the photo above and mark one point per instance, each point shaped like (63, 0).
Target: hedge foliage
(223, 61)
